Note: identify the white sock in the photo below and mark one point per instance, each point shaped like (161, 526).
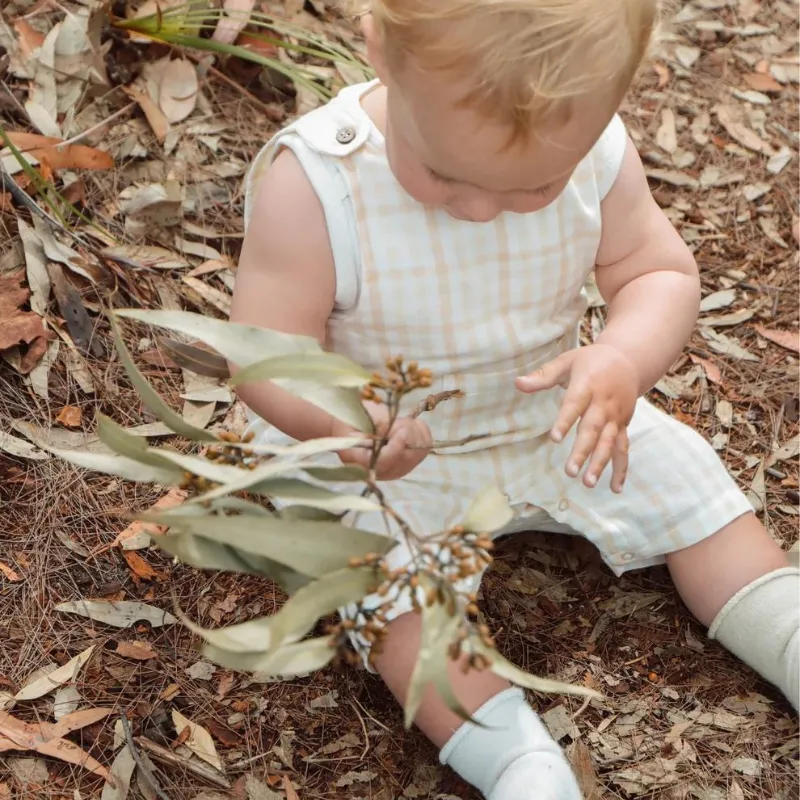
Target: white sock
(761, 625)
(513, 757)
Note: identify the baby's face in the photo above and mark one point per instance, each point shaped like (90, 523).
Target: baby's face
(451, 158)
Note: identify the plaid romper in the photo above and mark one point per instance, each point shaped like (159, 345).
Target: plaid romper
(479, 304)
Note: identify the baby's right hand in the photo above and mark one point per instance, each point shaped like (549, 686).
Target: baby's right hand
(408, 442)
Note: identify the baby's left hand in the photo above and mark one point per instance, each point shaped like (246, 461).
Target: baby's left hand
(602, 388)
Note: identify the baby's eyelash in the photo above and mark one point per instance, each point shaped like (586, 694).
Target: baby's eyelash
(542, 190)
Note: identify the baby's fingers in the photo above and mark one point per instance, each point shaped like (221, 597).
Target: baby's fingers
(591, 426)
(619, 460)
(603, 453)
(572, 409)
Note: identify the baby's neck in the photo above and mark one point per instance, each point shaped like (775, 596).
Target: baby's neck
(373, 101)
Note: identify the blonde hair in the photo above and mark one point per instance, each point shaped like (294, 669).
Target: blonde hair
(524, 62)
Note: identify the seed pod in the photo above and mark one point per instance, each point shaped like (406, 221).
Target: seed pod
(431, 596)
(348, 625)
(484, 630)
(355, 562)
(412, 367)
(454, 650)
(413, 581)
(472, 610)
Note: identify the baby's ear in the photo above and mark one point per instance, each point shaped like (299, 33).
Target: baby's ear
(375, 46)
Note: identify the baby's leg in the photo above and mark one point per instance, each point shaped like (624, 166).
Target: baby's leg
(512, 758)
(740, 584)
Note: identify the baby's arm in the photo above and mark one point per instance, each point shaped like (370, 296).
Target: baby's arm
(286, 281)
(646, 275)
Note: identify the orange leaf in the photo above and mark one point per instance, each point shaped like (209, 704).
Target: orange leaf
(29, 38)
(174, 497)
(140, 568)
(69, 417)
(47, 739)
(788, 339)
(71, 156)
(155, 116)
(762, 83)
(711, 369)
(9, 573)
(141, 651)
(291, 794)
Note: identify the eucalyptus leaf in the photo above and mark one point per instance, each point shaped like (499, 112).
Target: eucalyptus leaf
(291, 490)
(291, 660)
(325, 369)
(337, 473)
(313, 548)
(243, 344)
(489, 511)
(505, 669)
(207, 553)
(127, 444)
(150, 397)
(122, 467)
(439, 629)
(195, 359)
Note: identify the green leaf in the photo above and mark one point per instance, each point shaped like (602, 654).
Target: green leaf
(152, 399)
(326, 369)
(292, 491)
(246, 344)
(241, 344)
(439, 629)
(195, 359)
(322, 597)
(310, 547)
(505, 669)
(129, 445)
(488, 512)
(294, 513)
(206, 553)
(122, 467)
(291, 660)
(338, 473)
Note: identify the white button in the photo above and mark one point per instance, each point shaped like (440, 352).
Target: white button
(627, 556)
(563, 505)
(345, 135)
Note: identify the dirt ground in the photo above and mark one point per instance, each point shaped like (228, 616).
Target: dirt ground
(715, 119)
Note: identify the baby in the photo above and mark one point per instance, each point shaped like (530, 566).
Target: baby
(452, 211)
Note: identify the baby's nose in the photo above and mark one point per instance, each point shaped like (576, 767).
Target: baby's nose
(477, 209)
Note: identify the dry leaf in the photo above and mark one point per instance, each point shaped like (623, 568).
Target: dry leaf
(17, 326)
(174, 497)
(213, 296)
(140, 651)
(687, 55)
(177, 90)
(770, 227)
(35, 267)
(47, 739)
(726, 345)
(778, 162)
(9, 573)
(159, 123)
(672, 177)
(717, 300)
(667, 135)
(199, 740)
(121, 772)
(66, 701)
(291, 794)
(120, 614)
(711, 369)
(235, 19)
(46, 148)
(51, 681)
(144, 256)
(583, 767)
(729, 117)
(69, 417)
(140, 568)
(788, 339)
(761, 82)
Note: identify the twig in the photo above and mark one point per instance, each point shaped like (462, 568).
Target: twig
(140, 765)
(272, 114)
(364, 729)
(166, 756)
(583, 708)
(100, 125)
(433, 400)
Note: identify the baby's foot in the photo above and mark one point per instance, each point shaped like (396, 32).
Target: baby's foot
(513, 757)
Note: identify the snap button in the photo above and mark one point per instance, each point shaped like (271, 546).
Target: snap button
(627, 556)
(563, 505)
(345, 135)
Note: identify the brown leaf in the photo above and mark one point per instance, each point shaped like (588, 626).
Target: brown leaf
(174, 497)
(47, 739)
(70, 417)
(72, 156)
(17, 326)
(788, 339)
(140, 568)
(10, 574)
(291, 794)
(79, 323)
(177, 91)
(154, 115)
(762, 83)
(711, 369)
(223, 734)
(141, 651)
(581, 760)
(728, 116)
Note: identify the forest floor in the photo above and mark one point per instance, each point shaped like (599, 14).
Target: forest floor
(159, 139)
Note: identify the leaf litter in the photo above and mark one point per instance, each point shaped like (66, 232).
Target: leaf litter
(727, 160)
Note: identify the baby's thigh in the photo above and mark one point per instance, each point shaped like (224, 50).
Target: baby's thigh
(677, 493)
